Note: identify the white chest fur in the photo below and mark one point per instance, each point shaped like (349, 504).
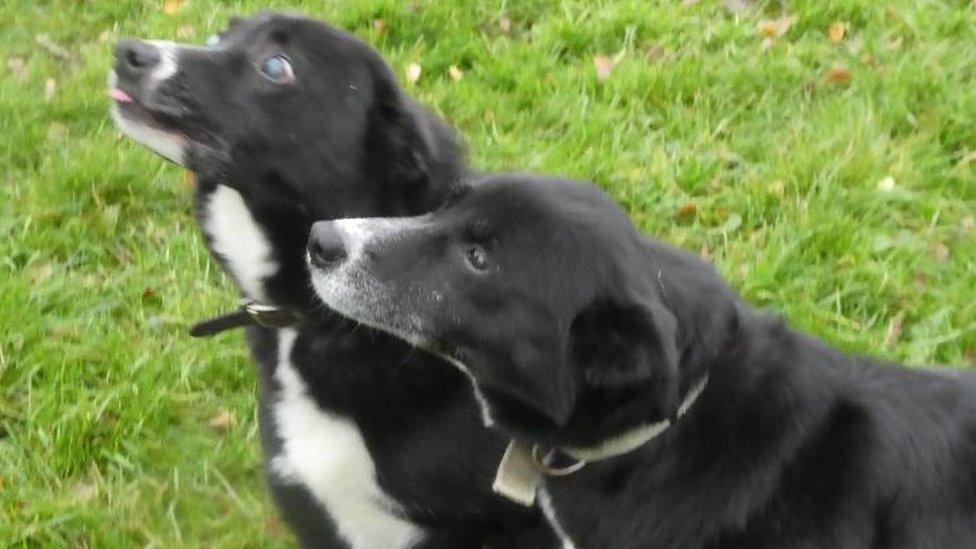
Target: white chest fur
(327, 454)
(237, 237)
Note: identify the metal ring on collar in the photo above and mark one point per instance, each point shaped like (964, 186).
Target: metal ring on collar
(542, 463)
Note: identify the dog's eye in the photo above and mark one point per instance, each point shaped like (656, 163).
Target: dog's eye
(213, 40)
(477, 257)
(277, 69)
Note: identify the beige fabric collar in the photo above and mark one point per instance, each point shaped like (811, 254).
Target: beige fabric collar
(521, 469)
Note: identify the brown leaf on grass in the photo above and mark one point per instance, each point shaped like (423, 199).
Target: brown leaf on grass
(505, 24)
(895, 328)
(83, 492)
(836, 32)
(223, 421)
(54, 49)
(603, 66)
(273, 527)
(50, 88)
(186, 32)
(940, 252)
(654, 52)
(413, 73)
(39, 272)
(57, 131)
(970, 353)
(172, 7)
(379, 26)
(738, 7)
(17, 67)
(705, 254)
(774, 28)
(919, 280)
(838, 74)
(887, 184)
(189, 179)
(686, 210)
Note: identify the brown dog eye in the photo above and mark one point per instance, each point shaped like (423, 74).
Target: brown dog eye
(278, 69)
(477, 258)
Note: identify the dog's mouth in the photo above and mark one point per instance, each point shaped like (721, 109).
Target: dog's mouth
(169, 130)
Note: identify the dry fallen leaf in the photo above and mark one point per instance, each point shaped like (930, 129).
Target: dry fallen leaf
(17, 67)
(654, 52)
(172, 7)
(222, 421)
(738, 7)
(919, 279)
(455, 73)
(379, 26)
(53, 48)
(505, 24)
(970, 353)
(186, 32)
(686, 210)
(189, 179)
(773, 28)
(895, 327)
(836, 32)
(83, 492)
(39, 272)
(603, 66)
(413, 73)
(838, 74)
(887, 184)
(50, 88)
(940, 252)
(57, 131)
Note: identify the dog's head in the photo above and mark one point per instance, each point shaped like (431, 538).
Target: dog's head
(303, 120)
(566, 318)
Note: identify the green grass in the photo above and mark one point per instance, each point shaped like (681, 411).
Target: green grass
(105, 402)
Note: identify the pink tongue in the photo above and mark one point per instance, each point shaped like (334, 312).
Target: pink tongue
(119, 95)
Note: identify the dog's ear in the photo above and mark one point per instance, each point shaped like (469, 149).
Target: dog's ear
(533, 386)
(616, 346)
(414, 139)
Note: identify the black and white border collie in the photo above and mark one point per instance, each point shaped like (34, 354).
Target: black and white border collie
(284, 120)
(654, 407)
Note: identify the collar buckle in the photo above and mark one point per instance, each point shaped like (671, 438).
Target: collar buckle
(269, 316)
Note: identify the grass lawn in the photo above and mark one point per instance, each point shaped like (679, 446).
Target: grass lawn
(829, 173)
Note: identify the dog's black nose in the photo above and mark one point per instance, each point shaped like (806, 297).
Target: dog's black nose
(134, 58)
(325, 246)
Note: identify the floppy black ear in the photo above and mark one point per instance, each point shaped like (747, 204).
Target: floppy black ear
(533, 387)
(615, 346)
(414, 138)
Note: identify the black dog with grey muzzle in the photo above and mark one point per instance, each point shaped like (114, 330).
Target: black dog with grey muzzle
(655, 408)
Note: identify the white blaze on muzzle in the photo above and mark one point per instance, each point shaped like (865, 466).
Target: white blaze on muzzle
(169, 144)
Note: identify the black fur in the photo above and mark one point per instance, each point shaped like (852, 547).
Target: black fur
(342, 141)
(581, 328)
